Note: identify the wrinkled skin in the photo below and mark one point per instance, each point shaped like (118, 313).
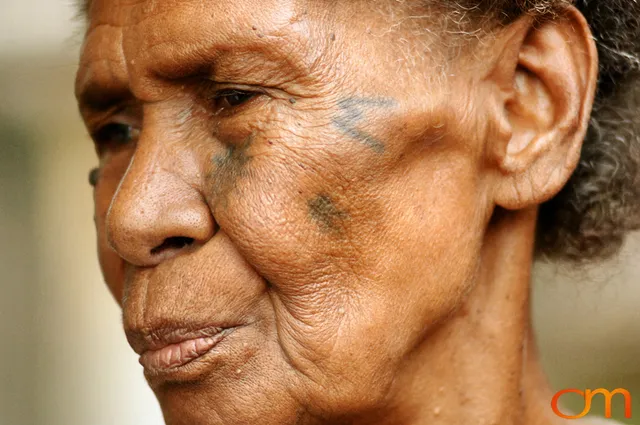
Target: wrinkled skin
(360, 210)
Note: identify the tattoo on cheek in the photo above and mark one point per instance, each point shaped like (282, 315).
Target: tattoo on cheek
(352, 115)
(229, 167)
(324, 212)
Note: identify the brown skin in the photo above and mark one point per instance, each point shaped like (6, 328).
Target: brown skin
(365, 223)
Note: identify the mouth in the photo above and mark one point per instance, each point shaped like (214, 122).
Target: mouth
(173, 352)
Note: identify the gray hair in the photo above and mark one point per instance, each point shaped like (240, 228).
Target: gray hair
(600, 205)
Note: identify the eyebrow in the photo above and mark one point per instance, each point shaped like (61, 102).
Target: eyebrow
(96, 94)
(96, 97)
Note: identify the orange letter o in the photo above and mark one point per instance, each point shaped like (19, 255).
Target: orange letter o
(556, 410)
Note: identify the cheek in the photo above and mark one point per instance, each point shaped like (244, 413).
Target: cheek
(433, 249)
(111, 263)
(295, 207)
(112, 268)
(362, 250)
(313, 212)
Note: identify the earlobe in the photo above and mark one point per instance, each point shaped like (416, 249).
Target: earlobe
(545, 114)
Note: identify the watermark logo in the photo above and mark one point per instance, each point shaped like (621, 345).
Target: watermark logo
(588, 399)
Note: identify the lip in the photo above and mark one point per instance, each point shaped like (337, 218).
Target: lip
(167, 350)
(176, 351)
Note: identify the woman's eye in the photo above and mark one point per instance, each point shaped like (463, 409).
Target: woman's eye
(233, 98)
(94, 176)
(115, 135)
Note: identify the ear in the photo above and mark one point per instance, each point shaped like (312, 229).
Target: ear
(544, 78)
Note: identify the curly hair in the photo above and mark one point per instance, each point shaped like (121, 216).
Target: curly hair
(600, 205)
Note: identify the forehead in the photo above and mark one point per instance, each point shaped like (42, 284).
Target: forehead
(129, 42)
(130, 45)
(149, 27)
(131, 12)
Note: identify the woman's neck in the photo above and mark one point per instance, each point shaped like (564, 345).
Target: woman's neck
(481, 365)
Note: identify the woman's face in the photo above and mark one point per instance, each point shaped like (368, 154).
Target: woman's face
(286, 185)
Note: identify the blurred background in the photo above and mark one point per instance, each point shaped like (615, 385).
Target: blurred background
(63, 357)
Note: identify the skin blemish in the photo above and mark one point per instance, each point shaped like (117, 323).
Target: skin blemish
(229, 168)
(324, 212)
(353, 112)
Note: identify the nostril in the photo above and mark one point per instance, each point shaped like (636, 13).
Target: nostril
(177, 242)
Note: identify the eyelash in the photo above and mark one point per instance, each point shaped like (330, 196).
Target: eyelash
(244, 95)
(114, 135)
(233, 98)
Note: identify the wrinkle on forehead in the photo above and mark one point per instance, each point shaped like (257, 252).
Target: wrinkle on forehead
(161, 38)
(102, 59)
(194, 23)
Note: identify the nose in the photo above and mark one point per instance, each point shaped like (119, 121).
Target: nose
(156, 213)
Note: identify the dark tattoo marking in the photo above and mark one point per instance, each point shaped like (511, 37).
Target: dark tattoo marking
(352, 111)
(229, 168)
(323, 211)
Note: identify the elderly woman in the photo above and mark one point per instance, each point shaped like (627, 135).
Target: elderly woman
(326, 212)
